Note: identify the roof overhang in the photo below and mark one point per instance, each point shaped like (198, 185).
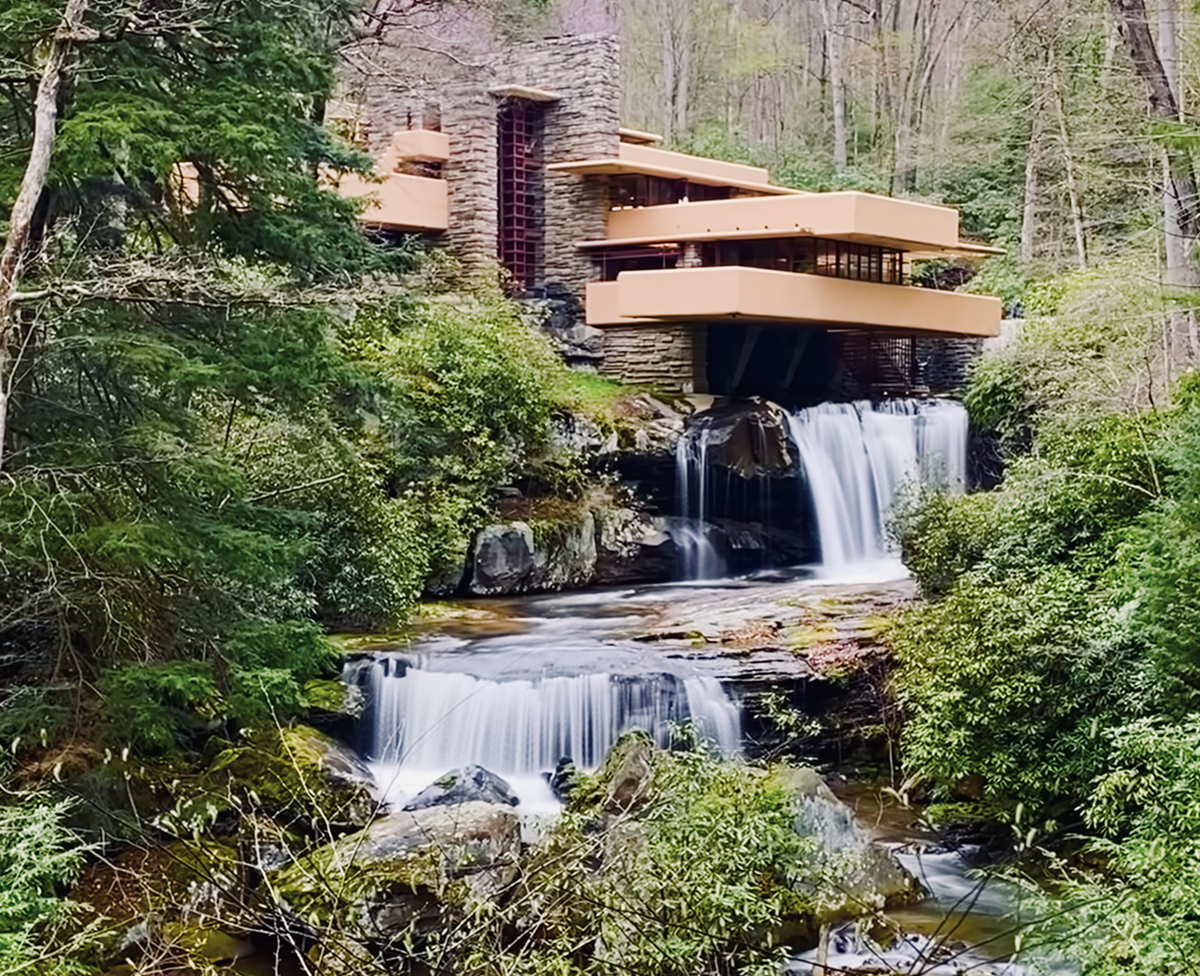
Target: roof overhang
(636, 159)
(752, 295)
(919, 229)
(525, 92)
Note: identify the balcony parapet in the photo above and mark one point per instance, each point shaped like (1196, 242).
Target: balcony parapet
(732, 293)
(921, 229)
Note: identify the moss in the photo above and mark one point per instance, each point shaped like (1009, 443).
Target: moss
(284, 772)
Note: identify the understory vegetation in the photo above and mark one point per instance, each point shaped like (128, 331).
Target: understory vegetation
(1051, 676)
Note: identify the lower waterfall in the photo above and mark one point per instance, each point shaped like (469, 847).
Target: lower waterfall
(856, 457)
(421, 722)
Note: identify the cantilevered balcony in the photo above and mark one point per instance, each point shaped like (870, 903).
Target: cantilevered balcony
(410, 194)
(919, 229)
(755, 295)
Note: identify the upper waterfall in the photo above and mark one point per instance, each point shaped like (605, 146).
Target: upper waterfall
(850, 460)
(856, 457)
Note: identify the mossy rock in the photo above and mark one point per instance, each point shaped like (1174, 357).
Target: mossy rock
(404, 871)
(298, 776)
(333, 706)
(626, 777)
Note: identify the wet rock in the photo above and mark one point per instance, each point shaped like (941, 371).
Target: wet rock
(504, 559)
(565, 554)
(856, 875)
(564, 779)
(298, 776)
(633, 547)
(469, 784)
(333, 706)
(628, 769)
(749, 438)
(402, 873)
(574, 433)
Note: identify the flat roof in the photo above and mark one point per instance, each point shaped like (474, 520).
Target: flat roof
(638, 137)
(635, 159)
(525, 92)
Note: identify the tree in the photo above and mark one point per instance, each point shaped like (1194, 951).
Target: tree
(20, 222)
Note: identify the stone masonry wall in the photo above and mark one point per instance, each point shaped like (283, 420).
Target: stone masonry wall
(670, 358)
(584, 70)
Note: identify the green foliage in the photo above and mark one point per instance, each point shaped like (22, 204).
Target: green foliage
(699, 879)
(999, 401)
(1013, 681)
(153, 706)
(1160, 564)
(31, 715)
(38, 856)
(476, 391)
(942, 537)
(270, 661)
(1143, 913)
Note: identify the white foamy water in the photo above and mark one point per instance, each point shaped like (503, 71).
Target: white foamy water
(422, 722)
(857, 456)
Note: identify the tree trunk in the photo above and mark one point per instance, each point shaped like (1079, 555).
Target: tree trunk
(1029, 206)
(21, 219)
(837, 81)
(1179, 178)
(1073, 198)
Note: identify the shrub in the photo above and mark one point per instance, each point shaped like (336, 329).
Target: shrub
(38, 855)
(1013, 681)
(151, 707)
(942, 536)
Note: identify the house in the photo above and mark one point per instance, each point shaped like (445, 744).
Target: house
(664, 269)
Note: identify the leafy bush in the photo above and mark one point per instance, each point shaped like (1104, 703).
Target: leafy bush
(270, 661)
(152, 706)
(1142, 914)
(698, 880)
(942, 536)
(1012, 681)
(38, 855)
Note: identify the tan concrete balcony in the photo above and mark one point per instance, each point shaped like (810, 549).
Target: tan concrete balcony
(921, 229)
(401, 202)
(755, 295)
(420, 145)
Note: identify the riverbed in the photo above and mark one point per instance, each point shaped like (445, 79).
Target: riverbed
(515, 684)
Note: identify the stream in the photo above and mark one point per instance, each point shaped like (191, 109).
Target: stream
(514, 685)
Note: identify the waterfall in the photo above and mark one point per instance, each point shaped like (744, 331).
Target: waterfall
(698, 556)
(856, 456)
(422, 722)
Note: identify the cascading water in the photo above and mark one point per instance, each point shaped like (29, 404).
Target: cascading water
(698, 556)
(422, 722)
(855, 458)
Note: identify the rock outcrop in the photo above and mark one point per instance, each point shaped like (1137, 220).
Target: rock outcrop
(399, 876)
(470, 784)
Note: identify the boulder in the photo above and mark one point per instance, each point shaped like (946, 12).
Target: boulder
(298, 776)
(563, 780)
(503, 560)
(854, 874)
(749, 438)
(333, 706)
(633, 547)
(565, 554)
(406, 870)
(469, 784)
(625, 778)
